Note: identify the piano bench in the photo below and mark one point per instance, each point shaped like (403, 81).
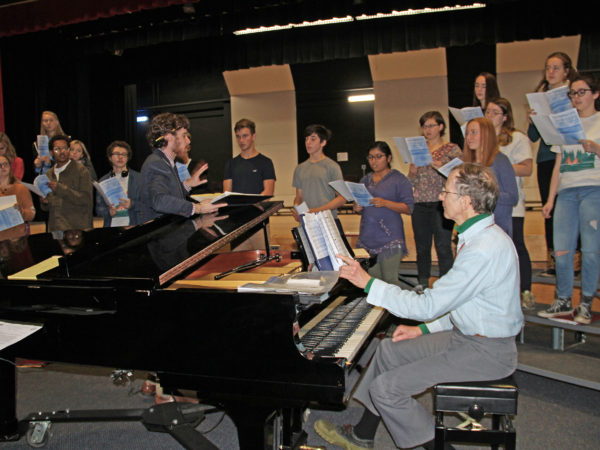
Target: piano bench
(497, 398)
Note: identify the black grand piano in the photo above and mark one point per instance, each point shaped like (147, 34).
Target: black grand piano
(123, 298)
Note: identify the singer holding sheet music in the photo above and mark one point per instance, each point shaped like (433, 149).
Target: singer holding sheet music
(10, 185)
(558, 71)
(129, 210)
(472, 315)
(381, 225)
(575, 198)
(427, 217)
(71, 202)
(312, 177)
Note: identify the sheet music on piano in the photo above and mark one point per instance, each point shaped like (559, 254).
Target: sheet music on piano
(324, 239)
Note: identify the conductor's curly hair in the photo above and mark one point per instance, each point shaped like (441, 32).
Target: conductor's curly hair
(164, 124)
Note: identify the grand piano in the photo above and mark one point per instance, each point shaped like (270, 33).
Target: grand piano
(131, 298)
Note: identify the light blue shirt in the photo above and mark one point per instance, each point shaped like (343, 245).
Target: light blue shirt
(479, 295)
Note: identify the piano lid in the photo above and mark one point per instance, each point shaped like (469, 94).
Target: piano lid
(151, 254)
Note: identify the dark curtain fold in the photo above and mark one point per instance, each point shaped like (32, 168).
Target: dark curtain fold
(46, 14)
(56, 70)
(214, 42)
(589, 54)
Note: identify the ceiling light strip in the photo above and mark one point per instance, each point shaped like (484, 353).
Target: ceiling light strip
(331, 21)
(414, 12)
(334, 20)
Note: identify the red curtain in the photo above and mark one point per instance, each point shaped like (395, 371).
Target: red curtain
(44, 14)
(1, 99)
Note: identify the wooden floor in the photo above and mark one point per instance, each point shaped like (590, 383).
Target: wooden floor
(534, 233)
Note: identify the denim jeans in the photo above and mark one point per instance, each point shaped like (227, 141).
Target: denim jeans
(577, 211)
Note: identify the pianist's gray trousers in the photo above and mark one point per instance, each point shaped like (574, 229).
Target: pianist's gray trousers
(406, 368)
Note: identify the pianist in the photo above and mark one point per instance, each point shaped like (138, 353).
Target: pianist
(162, 191)
(472, 315)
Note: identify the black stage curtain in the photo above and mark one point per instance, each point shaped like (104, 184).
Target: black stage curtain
(80, 71)
(216, 45)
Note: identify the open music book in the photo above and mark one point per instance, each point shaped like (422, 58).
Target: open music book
(39, 186)
(9, 215)
(564, 128)
(324, 240)
(353, 192)
(232, 198)
(309, 283)
(111, 191)
(413, 150)
(463, 115)
(550, 102)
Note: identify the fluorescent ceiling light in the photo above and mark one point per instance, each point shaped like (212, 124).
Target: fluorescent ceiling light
(141, 119)
(407, 12)
(295, 25)
(414, 12)
(361, 98)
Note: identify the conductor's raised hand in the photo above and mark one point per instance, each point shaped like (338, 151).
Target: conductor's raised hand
(353, 272)
(404, 332)
(195, 180)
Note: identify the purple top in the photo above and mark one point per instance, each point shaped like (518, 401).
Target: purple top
(509, 193)
(382, 229)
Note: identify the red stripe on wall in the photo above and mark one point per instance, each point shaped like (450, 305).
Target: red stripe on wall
(1, 99)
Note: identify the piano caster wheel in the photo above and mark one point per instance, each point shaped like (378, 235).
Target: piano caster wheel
(37, 434)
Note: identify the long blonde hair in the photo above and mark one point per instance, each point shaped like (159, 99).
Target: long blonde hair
(59, 129)
(86, 155)
(11, 153)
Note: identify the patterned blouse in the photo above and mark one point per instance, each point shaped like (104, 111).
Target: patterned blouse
(428, 182)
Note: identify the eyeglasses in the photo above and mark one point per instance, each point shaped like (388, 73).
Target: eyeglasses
(578, 92)
(375, 156)
(444, 192)
(4, 165)
(431, 125)
(554, 68)
(491, 112)
(60, 149)
(124, 155)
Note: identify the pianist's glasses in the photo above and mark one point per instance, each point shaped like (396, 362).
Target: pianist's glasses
(444, 192)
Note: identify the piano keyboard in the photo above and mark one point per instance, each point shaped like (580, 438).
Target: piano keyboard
(341, 329)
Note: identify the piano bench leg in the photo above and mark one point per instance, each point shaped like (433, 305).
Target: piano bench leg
(9, 425)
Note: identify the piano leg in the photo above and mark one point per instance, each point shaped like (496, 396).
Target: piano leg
(293, 434)
(251, 423)
(267, 427)
(9, 426)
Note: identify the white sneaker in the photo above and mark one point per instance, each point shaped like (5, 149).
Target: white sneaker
(558, 307)
(583, 313)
